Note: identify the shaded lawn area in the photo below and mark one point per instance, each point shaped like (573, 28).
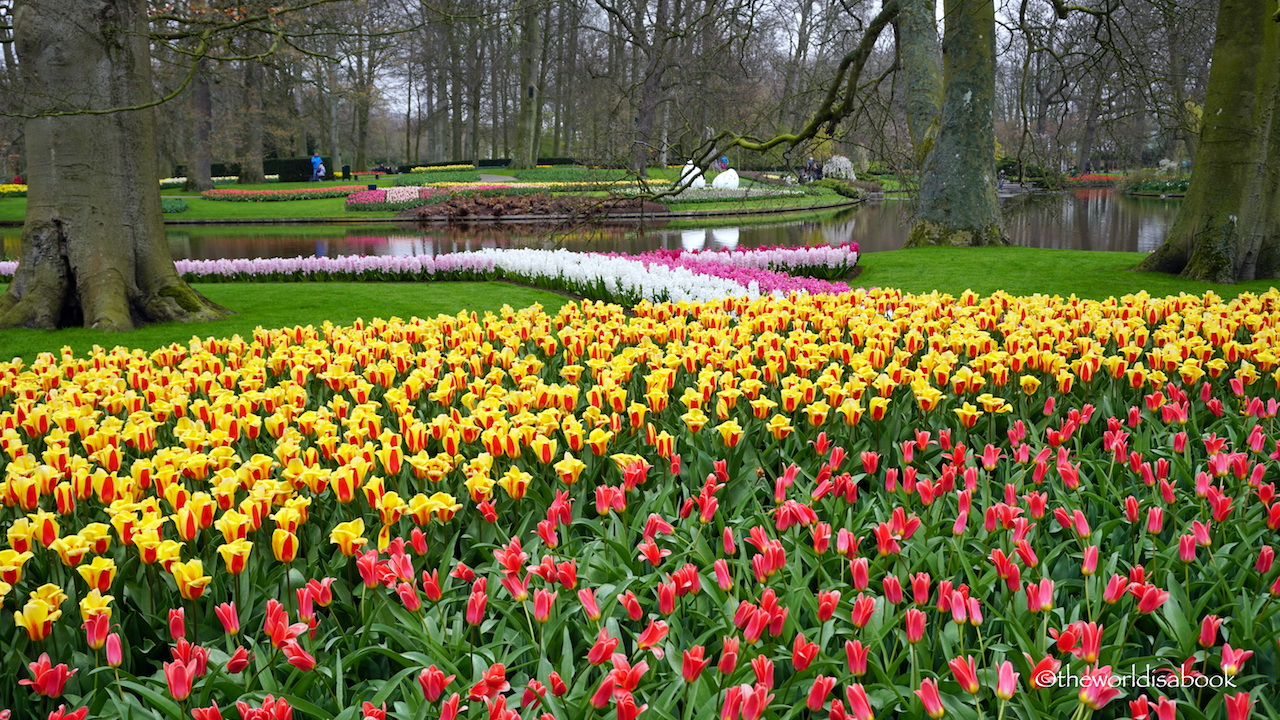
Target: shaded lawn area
(274, 305)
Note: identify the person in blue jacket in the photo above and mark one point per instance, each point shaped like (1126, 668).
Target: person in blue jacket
(317, 174)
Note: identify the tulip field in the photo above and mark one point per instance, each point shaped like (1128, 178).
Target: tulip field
(855, 505)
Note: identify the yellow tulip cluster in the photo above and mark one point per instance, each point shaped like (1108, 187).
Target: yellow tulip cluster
(198, 446)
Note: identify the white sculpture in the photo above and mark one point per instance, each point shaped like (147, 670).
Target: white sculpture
(693, 240)
(691, 171)
(727, 179)
(726, 238)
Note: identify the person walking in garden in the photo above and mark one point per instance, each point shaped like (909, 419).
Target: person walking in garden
(1000, 180)
(317, 167)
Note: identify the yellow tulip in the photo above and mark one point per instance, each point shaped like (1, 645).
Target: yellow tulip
(349, 536)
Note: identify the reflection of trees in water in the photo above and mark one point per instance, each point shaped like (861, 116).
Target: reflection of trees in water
(1096, 219)
(1080, 220)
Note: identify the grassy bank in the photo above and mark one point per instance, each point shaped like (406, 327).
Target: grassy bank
(1024, 271)
(289, 304)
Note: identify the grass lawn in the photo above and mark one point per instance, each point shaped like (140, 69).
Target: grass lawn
(289, 304)
(1024, 271)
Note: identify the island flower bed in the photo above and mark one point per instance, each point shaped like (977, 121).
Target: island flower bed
(855, 506)
(315, 193)
(403, 198)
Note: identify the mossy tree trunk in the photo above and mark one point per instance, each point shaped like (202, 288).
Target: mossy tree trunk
(957, 204)
(922, 73)
(199, 177)
(93, 247)
(1228, 228)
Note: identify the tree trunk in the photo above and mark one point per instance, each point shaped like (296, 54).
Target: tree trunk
(198, 174)
(525, 155)
(251, 153)
(958, 190)
(93, 246)
(922, 72)
(1228, 228)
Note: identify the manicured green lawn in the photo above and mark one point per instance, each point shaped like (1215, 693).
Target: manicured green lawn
(1024, 271)
(289, 304)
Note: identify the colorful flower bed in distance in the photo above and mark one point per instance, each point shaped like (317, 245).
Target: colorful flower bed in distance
(854, 506)
(315, 193)
(657, 276)
(403, 198)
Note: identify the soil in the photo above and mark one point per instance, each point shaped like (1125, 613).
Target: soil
(463, 207)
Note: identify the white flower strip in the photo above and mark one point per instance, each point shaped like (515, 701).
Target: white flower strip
(627, 280)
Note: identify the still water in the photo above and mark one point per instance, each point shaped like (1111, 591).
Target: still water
(1079, 220)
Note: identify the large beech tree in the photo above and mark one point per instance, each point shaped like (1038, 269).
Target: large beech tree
(958, 186)
(1228, 228)
(93, 246)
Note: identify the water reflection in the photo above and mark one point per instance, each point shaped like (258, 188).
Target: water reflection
(1081, 220)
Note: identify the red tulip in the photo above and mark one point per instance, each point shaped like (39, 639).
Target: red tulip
(296, 656)
(828, 600)
(928, 694)
(754, 701)
(818, 693)
(603, 648)
(433, 682)
(1209, 631)
(728, 656)
(603, 693)
(558, 687)
(449, 710)
(1097, 688)
(47, 679)
(1044, 673)
(803, 653)
(179, 676)
(915, 622)
(652, 635)
(213, 712)
(694, 663)
(1006, 681)
(762, 668)
(966, 673)
(542, 602)
(115, 655)
(1239, 706)
(475, 607)
(239, 660)
(859, 706)
(1233, 659)
(856, 656)
(96, 628)
(587, 596)
(229, 618)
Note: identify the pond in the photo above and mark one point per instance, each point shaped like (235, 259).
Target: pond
(1078, 220)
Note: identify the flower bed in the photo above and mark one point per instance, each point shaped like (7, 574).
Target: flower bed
(178, 182)
(404, 198)
(710, 194)
(443, 168)
(315, 193)
(821, 261)
(1094, 180)
(872, 504)
(12, 190)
